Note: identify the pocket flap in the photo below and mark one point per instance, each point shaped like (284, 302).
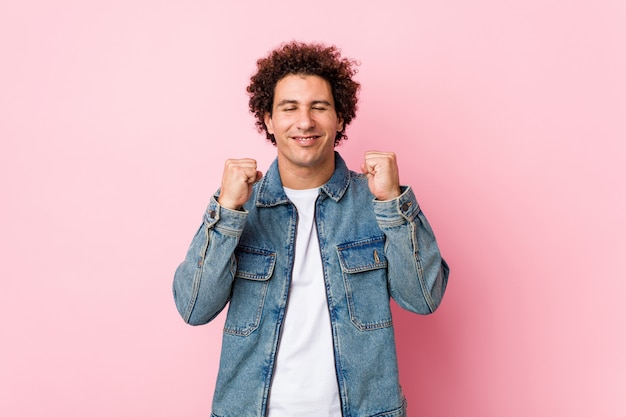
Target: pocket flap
(362, 255)
(254, 263)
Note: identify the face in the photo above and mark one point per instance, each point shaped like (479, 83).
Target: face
(304, 123)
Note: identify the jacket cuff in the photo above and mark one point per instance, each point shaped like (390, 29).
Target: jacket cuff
(225, 219)
(398, 210)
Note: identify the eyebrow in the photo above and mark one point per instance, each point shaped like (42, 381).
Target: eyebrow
(313, 103)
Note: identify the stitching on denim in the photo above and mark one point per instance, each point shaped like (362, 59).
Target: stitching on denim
(250, 327)
(195, 289)
(420, 271)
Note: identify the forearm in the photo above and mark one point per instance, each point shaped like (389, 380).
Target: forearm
(417, 274)
(203, 281)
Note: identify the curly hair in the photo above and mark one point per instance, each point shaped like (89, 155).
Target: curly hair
(304, 59)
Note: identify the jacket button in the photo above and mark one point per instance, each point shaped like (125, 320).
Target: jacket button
(212, 214)
(405, 206)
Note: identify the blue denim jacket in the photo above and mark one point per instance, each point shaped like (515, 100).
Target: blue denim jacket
(370, 249)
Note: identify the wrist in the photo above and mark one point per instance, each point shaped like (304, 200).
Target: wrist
(225, 203)
(389, 196)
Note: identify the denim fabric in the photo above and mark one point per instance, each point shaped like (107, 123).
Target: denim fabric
(371, 250)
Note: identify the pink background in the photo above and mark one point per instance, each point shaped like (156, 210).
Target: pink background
(509, 121)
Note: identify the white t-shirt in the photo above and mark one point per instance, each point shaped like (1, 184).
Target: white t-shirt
(305, 382)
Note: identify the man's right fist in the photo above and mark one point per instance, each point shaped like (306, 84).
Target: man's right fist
(237, 180)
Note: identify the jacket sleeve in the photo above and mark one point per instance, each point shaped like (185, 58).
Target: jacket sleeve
(417, 274)
(202, 282)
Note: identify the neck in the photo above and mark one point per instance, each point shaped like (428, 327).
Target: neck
(303, 178)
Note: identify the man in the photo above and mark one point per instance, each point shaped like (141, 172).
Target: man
(308, 255)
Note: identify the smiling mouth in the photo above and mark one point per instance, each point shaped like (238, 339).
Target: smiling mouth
(305, 139)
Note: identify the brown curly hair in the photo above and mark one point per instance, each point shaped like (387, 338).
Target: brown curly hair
(305, 59)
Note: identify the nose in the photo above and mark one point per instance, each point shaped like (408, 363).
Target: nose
(305, 121)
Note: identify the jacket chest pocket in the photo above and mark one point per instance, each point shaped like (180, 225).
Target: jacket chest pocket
(364, 269)
(254, 269)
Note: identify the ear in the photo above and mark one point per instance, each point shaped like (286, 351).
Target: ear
(268, 122)
(339, 123)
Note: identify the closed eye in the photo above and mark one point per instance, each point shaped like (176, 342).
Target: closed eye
(320, 105)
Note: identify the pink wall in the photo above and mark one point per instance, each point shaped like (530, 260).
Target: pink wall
(509, 121)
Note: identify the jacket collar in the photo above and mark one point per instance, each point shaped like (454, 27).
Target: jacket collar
(271, 192)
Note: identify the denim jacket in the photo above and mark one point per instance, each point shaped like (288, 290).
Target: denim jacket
(371, 250)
